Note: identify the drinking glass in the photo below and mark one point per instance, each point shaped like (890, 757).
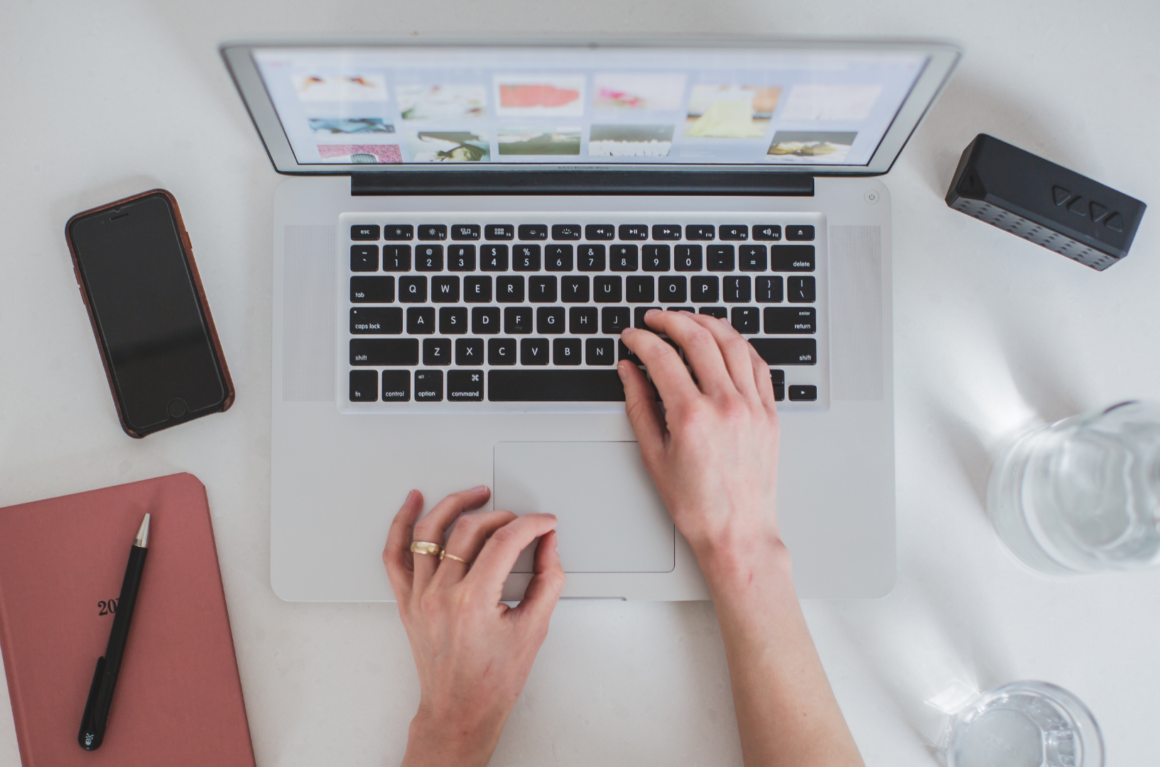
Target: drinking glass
(1083, 494)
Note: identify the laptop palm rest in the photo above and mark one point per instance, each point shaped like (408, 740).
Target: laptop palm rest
(611, 519)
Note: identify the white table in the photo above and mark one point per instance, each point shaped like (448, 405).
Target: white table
(101, 100)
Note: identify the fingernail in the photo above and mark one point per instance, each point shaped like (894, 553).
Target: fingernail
(626, 331)
(686, 311)
(479, 489)
(620, 369)
(725, 320)
(651, 312)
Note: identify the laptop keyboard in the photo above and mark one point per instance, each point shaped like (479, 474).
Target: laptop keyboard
(517, 312)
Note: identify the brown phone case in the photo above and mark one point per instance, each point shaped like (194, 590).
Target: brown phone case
(203, 306)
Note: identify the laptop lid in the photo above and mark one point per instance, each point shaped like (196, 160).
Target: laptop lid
(720, 109)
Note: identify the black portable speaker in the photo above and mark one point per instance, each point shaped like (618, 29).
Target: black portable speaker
(1044, 202)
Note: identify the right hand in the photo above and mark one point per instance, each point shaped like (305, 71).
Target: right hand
(712, 449)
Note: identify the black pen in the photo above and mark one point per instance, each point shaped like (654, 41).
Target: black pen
(105, 677)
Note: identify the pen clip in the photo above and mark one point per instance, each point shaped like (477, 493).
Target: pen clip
(91, 733)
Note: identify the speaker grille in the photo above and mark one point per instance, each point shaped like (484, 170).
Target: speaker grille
(855, 313)
(308, 332)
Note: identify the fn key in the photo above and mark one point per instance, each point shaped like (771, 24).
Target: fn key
(364, 386)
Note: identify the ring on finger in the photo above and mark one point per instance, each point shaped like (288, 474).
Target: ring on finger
(426, 547)
(447, 555)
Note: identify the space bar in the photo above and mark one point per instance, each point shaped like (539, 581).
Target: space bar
(554, 386)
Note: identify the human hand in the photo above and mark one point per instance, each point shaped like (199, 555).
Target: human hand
(712, 449)
(473, 653)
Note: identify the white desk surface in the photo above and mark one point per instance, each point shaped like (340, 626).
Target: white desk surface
(101, 100)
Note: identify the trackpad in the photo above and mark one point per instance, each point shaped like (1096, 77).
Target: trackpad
(611, 518)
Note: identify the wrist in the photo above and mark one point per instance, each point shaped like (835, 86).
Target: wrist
(440, 741)
(733, 562)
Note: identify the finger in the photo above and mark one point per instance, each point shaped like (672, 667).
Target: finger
(763, 379)
(668, 372)
(433, 528)
(543, 591)
(396, 554)
(495, 562)
(735, 351)
(468, 537)
(642, 408)
(701, 349)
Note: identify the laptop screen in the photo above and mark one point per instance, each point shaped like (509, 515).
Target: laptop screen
(586, 105)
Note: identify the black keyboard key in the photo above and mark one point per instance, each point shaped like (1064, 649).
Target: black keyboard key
(396, 258)
(689, 309)
(558, 258)
(533, 231)
(453, 320)
(666, 231)
(614, 319)
(469, 351)
(582, 320)
(464, 385)
(384, 351)
(799, 232)
(656, 258)
(554, 386)
(790, 321)
(534, 351)
(720, 312)
(477, 290)
(688, 258)
(778, 392)
(787, 351)
(398, 232)
(735, 232)
(364, 232)
(432, 232)
(461, 258)
(699, 232)
(566, 351)
(428, 385)
(606, 290)
(542, 290)
(526, 258)
(791, 258)
(752, 258)
(638, 316)
(550, 320)
(420, 320)
(767, 232)
(517, 320)
(379, 321)
(803, 393)
(364, 386)
(706, 290)
(633, 232)
(737, 290)
(721, 258)
(364, 258)
(465, 232)
(600, 351)
(396, 386)
(501, 351)
(746, 319)
(445, 290)
(778, 376)
(509, 290)
(574, 290)
(499, 232)
(565, 231)
(623, 352)
(372, 290)
(640, 290)
(412, 290)
(674, 290)
(485, 320)
(599, 232)
(493, 258)
(801, 290)
(623, 258)
(768, 290)
(590, 258)
(436, 351)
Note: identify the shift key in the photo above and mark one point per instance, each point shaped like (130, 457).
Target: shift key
(787, 351)
(384, 351)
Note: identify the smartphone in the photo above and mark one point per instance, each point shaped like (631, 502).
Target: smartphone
(149, 314)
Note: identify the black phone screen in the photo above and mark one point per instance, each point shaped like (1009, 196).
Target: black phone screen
(148, 317)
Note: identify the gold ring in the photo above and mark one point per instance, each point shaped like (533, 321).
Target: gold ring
(425, 547)
(448, 555)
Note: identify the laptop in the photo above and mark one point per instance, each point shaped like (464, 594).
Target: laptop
(466, 226)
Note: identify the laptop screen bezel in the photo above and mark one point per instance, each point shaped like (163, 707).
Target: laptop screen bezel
(942, 57)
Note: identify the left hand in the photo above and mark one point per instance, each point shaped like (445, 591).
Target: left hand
(473, 653)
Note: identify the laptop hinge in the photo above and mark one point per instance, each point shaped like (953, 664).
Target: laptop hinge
(739, 183)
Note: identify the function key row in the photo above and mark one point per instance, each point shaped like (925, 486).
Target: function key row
(500, 232)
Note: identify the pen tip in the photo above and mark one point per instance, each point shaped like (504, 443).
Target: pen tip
(143, 534)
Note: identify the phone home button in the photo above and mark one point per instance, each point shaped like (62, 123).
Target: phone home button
(177, 408)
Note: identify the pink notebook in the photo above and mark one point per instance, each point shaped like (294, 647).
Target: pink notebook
(178, 699)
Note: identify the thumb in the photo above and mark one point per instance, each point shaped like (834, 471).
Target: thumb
(642, 408)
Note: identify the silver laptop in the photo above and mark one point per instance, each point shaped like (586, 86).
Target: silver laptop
(466, 227)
